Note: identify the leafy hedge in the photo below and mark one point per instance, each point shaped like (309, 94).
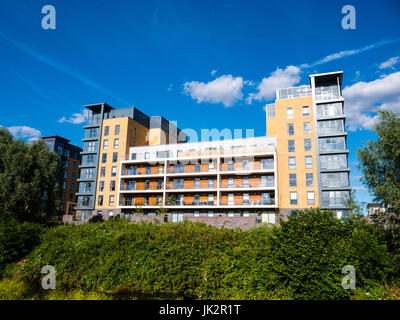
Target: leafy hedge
(17, 240)
(302, 259)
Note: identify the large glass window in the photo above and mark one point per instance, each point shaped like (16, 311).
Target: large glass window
(335, 179)
(113, 171)
(105, 144)
(106, 131)
(329, 109)
(332, 144)
(116, 143)
(334, 161)
(306, 111)
(104, 158)
(327, 92)
(115, 157)
(334, 198)
(310, 197)
(330, 126)
(102, 171)
(270, 110)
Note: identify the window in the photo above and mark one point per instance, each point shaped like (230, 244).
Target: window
(246, 183)
(67, 163)
(116, 143)
(91, 146)
(211, 166)
(211, 182)
(196, 213)
(60, 150)
(65, 174)
(267, 164)
(230, 165)
(231, 199)
(309, 180)
(270, 110)
(246, 214)
(147, 155)
(292, 180)
(113, 171)
(100, 200)
(329, 109)
(330, 127)
(71, 187)
(308, 160)
(117, 127)
(231, 214)
(74, 166)
(310, 197)
(210, 199)
(197, 183)
(106, 131)
(332, 144)
(289, 113)
(73, 175)
(246, 198)
(112, 185)
(291, 146)
(147, 170)
(133, 156)
(337, 161)
(306, 128)
(67, 153)
(245, 165)
(292, 162)
(307, 144)
(115, 157)
(101, 186)
(105, 144)
(334, 198)
(104, 158)
(230, 182)
(293, 197)
(102, 171)
(147, 185)
(111, 200)
(211, 213)
(87, 173)
(306, 111)
(64, 185)
(290, 129)
(159, 184)
(335, 179)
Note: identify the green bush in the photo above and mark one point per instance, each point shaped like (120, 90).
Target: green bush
(17, 240)
(301, 259)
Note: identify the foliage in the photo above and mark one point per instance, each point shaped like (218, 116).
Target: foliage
(161, 211)
(17, 240)
(29, 174)
(302, 259)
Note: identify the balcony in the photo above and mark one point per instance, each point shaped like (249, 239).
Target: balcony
(142, 171)
(139, 203)
(193, 203)
(226, 185)
(241, 202)
(140, 188)
(190, 185)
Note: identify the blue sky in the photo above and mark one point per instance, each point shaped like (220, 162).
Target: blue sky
(205, 64)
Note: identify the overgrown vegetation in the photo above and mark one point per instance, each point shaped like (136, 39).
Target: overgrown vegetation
(301, 259)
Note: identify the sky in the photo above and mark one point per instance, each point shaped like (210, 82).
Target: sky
(204, 64)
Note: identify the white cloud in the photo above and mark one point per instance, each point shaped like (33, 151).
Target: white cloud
(225, 89)
(25, 132)
(76, 118)
(280, 78)
(346, 53)
(213, 72)
(362, 99)
(170, 86)
(389, 63)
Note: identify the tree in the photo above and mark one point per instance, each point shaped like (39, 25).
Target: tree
(29, 175)
(380, 165)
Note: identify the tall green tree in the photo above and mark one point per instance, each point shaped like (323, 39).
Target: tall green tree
(29, 175)
(380, 165)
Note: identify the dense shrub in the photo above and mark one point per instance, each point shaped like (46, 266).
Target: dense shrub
(17, 240)
(301, 259)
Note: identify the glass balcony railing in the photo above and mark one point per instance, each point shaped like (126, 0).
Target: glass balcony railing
(193, 203)
(250, 185)
(241, 202)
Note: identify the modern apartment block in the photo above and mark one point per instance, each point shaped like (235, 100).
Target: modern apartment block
(109, 134)
(70, 160)
(309, 124)
(134, 163)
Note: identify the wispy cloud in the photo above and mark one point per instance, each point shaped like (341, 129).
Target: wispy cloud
(213, 72)
(347, 53)
(61, 67)
(76, 118)
(389, 63)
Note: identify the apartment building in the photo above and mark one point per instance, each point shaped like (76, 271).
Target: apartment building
(134, 163)
(309, 124)
(109, 134)
(70, 161)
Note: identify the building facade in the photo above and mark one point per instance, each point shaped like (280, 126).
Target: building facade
(132, 163)
(109, 134)
(70, 156)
